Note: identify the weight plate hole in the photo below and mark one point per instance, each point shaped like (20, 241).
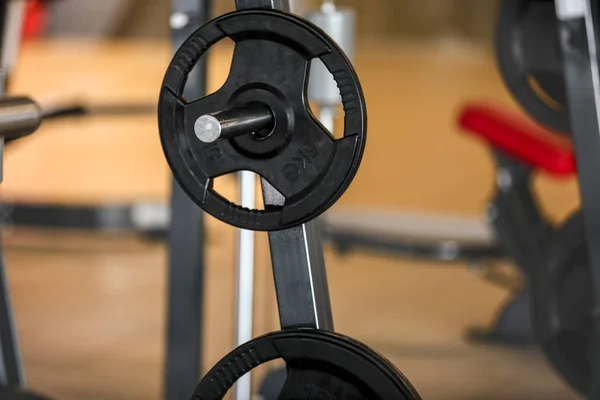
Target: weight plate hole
(221, 53)
(327, 107)
(228, 186)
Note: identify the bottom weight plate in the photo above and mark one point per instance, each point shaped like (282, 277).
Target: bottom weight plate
(321, 365)
(563, 305)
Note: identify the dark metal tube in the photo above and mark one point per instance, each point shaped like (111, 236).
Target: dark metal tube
(244, 120)
(19, 116)
(231, 123)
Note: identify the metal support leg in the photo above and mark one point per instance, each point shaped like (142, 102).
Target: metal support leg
(185, 297)
(512, 326)
(12, 15)
(299, 272)
(300, 283)
(300, 280)
(516, 217)
(577, 19)
(186, 243)
(245, 281)
(11, 366)
(521, 231)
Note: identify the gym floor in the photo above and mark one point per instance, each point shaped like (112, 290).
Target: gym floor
(90, 308)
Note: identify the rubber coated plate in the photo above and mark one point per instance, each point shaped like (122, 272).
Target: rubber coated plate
(321, 365)
(300, 158)
(530, 60)
(563, 304)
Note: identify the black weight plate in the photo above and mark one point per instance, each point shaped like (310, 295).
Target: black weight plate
(272, 383)
(530, 60)
(300, 158)
(321, 365)
(563, 304)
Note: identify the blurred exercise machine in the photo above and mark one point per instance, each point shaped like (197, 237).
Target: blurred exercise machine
(556, 62)
(530, 60)
(27, 16)
(548, 59)
(515, 227)
(19, 117)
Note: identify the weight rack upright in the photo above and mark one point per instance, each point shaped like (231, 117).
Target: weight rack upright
(185, 273)
(577, 28)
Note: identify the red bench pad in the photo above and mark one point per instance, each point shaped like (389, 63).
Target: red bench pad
(519, 137)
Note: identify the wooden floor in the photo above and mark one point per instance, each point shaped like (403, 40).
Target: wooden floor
(91, 308)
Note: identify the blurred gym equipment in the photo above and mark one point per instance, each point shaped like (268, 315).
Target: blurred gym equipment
(559, 290)
(138, 217)
(547, 56)
(521, 149)
(547, 53)
(19, 117)
(517, 226)
(478, 242)
(530, 60)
